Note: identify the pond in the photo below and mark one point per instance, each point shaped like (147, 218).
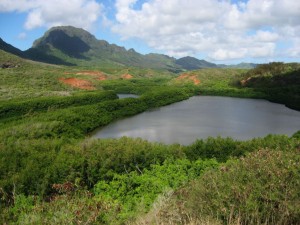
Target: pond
(127, 96)
(203, 116)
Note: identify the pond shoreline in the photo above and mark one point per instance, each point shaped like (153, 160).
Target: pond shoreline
(239, 118)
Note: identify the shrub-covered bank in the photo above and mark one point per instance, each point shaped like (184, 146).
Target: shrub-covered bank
(18, 108)
(127, 175)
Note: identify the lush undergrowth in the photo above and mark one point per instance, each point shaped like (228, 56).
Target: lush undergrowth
(51, 172)
(261, 188)
(115, 181)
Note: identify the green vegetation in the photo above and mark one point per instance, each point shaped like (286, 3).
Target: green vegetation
(261, 188)
(51, 172)
(278, 81)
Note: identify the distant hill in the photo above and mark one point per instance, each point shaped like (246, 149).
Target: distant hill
(191, 63)
(242, 65)
(68, 45)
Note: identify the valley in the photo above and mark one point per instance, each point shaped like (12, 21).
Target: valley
(54, 95)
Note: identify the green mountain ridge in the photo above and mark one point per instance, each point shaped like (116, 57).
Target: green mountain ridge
(68, 45)
(9, 48)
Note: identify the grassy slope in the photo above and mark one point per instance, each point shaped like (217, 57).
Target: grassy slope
(33, 79)
(29, 79)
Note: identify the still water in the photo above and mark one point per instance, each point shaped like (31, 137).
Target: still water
(204, 116)
(127, 96)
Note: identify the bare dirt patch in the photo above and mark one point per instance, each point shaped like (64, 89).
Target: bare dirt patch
(183, 76)
(186, 76)
(78, 83)
(127, 76)
(245, 82)
(195, 79)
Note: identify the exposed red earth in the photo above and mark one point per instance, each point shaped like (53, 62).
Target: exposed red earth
(78, 83)
(81, 83)
(127, 76)
(186, 76)
(244, 82)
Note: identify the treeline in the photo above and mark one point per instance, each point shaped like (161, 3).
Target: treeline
(230, 92)
(14, 108)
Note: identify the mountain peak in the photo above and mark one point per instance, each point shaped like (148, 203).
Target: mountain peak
(70, 40)
(72, 32)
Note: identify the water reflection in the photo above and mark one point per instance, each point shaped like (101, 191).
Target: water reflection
(204, 116)
(127, 96)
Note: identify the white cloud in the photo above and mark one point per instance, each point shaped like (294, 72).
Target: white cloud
(41, 13)
(265, 36)
(225, 54)
(220, 29)
(16, 5)
(294, 51)
(34, 20)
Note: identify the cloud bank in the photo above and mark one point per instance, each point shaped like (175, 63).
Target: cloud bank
(220, 29)
(43, 13)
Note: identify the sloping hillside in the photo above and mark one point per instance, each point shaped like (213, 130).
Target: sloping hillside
(280, 82)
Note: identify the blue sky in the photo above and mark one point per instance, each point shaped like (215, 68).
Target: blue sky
(220, 31)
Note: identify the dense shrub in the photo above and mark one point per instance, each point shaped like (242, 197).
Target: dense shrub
(136, 191)
(18, 108)
(278, 82)
(261, 188)
(223, 149)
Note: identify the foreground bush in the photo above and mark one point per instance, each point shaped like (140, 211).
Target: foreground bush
(262, 188)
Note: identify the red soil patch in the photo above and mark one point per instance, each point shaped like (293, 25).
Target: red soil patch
(98, 74)
(127, 76)
(195, 79)
(183, 76)
(78, 83)
(244, 82)
(186, 76)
